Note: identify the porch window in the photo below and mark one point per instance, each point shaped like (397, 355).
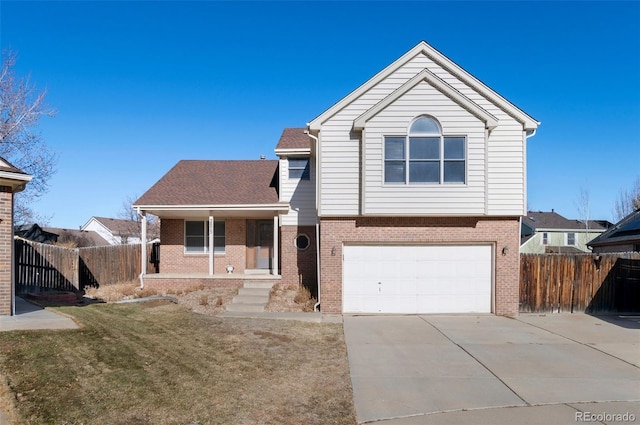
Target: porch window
(425, 155)
(196, 236)
(299, 168)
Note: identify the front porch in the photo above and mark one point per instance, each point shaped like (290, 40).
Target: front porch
(175, 282)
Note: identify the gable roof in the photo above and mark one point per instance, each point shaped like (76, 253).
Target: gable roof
(527, 121)
(425, 75)
(625, 231)
(294, 138)
(117, 226)
(215, 183)
(542, 220)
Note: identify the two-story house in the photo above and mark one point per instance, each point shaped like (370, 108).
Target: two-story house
(549, 232)
(403, 197)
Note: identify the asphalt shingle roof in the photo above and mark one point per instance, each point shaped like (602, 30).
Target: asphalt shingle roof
(214, 182)
(294, 138)
(553, 220)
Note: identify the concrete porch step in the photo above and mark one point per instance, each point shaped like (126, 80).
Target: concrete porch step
(252, 297)
(246, 308)
(254, 291)
(257, 284)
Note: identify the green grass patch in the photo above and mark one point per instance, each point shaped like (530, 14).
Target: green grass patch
(155, 363)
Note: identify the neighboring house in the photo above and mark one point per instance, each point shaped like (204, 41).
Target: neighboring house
(549, 232)
(79, 238)
(12, 180)
(55, 235)
(624, 236)
(412, 187)
(114, 230)
(35, 233)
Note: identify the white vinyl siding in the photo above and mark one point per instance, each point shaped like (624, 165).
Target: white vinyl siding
(495, 169)
(416, 199)
(300, 194)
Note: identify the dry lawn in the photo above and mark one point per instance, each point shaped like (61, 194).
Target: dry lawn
(160, 363)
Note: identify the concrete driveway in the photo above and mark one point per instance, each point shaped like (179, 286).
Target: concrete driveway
(537, 369)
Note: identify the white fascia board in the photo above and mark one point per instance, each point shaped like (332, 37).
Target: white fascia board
(17, 181)
(230, 207)
(293, 151)
(570, 230)
(8, 175)
(528, 122)
(490, 121)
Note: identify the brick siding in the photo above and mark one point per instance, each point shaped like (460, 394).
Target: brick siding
(174, 260)
(175, 285)
(501, 232)
(299, 266)
(6, 246)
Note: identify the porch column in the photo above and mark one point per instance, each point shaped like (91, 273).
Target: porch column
(211, 235)
(276, 232)
(143, 240)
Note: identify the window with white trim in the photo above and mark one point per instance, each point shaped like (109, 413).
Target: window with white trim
(425, 155)
(196, 236)
(571, 238)
(299, 168)
(545, 238)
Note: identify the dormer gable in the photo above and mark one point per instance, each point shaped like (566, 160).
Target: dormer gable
(528, 123)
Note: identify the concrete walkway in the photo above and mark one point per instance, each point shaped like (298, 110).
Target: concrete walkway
(31, 317)
(561, 369)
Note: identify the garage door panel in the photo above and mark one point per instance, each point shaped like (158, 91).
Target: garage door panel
(417, 279)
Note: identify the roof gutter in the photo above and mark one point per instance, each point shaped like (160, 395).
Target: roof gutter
(316, 307)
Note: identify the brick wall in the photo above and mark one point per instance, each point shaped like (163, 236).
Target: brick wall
(502, 232)
(174, 260)
(6, 245)
(176, 285)
(298, 266)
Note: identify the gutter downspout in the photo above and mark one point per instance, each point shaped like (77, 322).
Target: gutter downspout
(143, 247)
(316, 306)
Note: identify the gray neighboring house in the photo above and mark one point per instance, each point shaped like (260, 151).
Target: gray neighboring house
(549, 232)
(624, 236)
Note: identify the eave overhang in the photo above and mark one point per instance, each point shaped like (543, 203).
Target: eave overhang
(229, 210)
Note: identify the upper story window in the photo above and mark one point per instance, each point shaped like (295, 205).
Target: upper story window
(571, 238)
(545, 238)
(425, 155)
(299, 168)
(196, 236)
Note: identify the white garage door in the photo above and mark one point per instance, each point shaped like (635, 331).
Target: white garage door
(417, 279)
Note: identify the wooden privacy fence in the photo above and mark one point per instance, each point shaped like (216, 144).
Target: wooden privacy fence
(592, 283)
(41, 267)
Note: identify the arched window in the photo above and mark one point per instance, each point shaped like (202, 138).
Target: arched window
(425, 155)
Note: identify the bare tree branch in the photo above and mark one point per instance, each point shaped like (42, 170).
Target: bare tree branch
(627, 201)
(128, 213)
(21, 106)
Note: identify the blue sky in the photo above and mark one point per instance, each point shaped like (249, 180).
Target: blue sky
(139, 86)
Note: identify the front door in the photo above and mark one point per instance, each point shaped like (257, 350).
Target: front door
(264, 245)
(259, 244)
